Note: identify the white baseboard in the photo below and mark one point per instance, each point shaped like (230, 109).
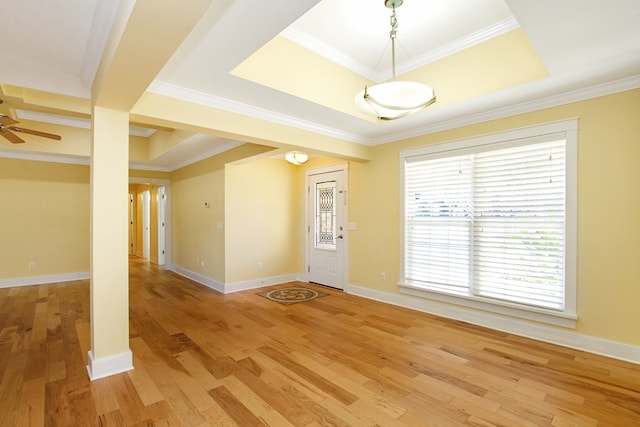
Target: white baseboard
(43, 280)
(563, 337)
(259, 283)
(110, 365)
(227, 288)
(199, 278)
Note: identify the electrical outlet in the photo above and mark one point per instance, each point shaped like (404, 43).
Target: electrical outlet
(32, 265)
(260, 266)
(383, 276)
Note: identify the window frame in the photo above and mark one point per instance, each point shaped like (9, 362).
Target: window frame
(566, 129)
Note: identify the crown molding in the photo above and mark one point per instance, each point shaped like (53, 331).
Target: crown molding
(318, 46)
(463, 43)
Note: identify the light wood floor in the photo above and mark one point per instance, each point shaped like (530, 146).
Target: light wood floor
(202, 358)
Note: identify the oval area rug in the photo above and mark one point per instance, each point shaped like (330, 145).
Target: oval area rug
(291, 295)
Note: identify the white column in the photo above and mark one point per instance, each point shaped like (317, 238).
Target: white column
(110, 353)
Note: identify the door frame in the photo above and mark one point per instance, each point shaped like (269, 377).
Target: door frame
(133, 234)
(339, 167)
(167, 212)
(145, 198)
(161, 207)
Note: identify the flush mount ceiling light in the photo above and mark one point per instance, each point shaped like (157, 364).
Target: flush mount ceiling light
(296, 157)
(394, 99)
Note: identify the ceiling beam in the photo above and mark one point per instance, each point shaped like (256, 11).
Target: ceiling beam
(156, 109)
(143, 38)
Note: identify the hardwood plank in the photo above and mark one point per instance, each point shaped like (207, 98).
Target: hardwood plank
(232, 406)
(31, 409)
(197, 370)
(54, 322)
(275, 390)
(181, 408)
(252, 401)
(163, 414)
(10, 388)
(328, 387)
(81, 407)
(113, 418)
(217, 416)
(40, 321)
(143, 382)
(104, 397)
(129, 403)
(196, 394)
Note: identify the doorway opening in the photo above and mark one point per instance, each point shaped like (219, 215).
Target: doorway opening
(148, 220)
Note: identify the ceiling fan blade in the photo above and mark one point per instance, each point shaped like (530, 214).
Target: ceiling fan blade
(35, 132)
(12, 137)
(6, 120)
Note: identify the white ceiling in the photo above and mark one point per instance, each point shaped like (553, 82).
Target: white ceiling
(588, 47)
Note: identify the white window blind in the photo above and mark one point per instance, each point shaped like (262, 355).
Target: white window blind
(488, 222)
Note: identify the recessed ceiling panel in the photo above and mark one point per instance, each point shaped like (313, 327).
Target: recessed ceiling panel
(486, 61)
(355, 33)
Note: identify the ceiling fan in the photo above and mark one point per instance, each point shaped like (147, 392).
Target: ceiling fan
(7, 130)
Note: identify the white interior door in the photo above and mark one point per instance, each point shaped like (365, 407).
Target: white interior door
(327, 237)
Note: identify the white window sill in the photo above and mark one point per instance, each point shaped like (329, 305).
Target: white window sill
(551, 317)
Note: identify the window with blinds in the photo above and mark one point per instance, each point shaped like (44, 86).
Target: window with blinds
(488, 221)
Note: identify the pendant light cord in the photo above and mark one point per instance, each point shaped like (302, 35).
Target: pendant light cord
(392, 35)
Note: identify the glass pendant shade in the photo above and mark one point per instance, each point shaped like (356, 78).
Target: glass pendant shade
(296, 157)
(395, 99)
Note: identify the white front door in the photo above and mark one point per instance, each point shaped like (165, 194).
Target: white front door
(326, 226)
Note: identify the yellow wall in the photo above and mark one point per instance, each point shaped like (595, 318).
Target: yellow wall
(608, 210)
(197, 244)
(44, 218)
(195, 240)
(263, 222)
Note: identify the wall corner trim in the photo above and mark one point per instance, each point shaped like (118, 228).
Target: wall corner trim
(553, 335)
(110, 365)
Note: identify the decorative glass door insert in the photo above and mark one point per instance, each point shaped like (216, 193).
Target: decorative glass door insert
(325, 216)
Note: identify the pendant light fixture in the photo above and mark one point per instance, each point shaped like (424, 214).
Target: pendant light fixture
(296, 157)
(394, 99)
